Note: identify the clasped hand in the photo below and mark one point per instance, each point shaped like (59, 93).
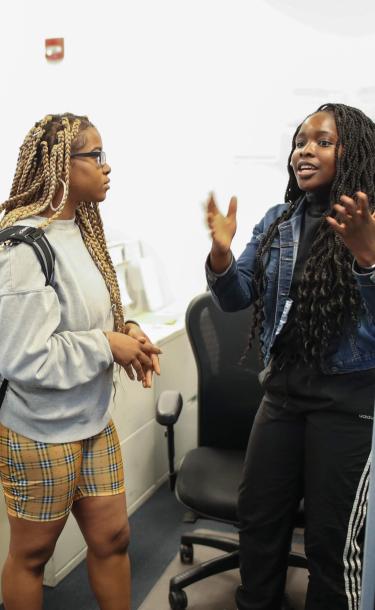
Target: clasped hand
(355, 224)
(136, 354)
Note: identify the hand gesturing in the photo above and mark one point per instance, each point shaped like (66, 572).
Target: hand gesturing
(222, 228)
(355, 224)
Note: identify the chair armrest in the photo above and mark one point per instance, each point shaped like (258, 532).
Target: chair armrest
(168, 407)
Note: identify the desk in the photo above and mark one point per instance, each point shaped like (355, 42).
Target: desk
(143, 445)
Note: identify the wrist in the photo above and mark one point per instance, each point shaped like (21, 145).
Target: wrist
(129, 324)
(219, 251)
(366, 262)
(220, 261)
(110, 336)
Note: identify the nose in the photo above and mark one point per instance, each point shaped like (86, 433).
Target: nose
(307, 149)
(107, 169)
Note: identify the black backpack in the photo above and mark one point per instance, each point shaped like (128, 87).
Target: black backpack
(13, 236)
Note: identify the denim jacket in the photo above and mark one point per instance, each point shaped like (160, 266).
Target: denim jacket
(234, 289)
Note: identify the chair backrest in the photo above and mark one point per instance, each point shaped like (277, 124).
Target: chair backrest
(229, 393)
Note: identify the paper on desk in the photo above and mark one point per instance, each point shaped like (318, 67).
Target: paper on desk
(151, 284)
(125, 296)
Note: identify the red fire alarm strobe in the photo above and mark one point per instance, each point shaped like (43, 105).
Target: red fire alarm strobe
(54, 49)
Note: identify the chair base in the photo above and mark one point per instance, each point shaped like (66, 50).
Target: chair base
(190, 517)
(216, 542)
(297, 560)
(177, 596)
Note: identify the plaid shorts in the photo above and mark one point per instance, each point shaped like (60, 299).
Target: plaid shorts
(42, 480)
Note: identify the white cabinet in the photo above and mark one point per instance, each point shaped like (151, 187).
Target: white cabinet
(143, 444)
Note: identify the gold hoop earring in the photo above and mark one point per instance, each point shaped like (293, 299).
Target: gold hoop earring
(53, 208)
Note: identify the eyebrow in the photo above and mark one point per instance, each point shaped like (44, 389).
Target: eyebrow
(319, 133)
(96, 148)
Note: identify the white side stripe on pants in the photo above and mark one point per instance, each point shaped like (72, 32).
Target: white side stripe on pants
(351, 557)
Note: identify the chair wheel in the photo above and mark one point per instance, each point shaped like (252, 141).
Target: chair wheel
(178, 600)
(186, 553)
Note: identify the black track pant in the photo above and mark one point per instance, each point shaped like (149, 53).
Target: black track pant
(305, 446)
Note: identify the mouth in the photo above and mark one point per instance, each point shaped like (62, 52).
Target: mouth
(305, 170)
(106, 185)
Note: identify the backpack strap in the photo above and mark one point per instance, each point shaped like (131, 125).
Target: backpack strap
(3, 390)
(36, 238)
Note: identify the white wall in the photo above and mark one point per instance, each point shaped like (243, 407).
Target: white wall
(189, 95)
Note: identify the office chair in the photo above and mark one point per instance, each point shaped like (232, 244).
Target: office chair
(228, 397)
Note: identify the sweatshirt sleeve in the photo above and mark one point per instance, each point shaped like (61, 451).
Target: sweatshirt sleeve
(32, 352)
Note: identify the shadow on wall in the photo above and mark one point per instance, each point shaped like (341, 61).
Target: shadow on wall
(344, 18)
(313, 97)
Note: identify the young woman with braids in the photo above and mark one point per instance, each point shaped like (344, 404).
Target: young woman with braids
(59, 451)
(308, 270)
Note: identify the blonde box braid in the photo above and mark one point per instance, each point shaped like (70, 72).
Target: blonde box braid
(90, 224)
(44, 160)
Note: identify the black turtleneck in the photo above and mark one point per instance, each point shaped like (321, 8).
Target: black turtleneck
(286, 345)
(315, 207)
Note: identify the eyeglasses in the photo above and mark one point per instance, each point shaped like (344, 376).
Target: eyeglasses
(99, 155)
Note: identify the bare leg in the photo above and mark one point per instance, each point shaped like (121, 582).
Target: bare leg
(31, 545)
(104, 524)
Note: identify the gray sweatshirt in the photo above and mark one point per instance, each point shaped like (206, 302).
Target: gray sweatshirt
(52, 348)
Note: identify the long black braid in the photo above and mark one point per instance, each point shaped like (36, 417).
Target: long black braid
(328, 296)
